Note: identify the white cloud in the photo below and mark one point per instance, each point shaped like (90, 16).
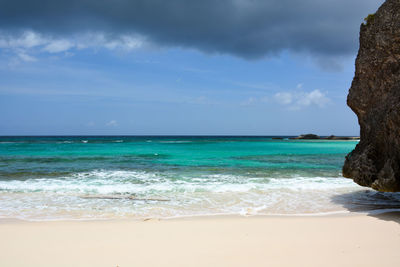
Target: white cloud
(26, 57)
(298, 100)
(99, 40)
(58, 46)
(29, 41)
(112, 123)
(315, 97)
(125, 42)
(284, 98)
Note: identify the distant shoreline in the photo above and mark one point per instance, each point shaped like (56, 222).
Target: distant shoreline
(331, 137)
(181, 136)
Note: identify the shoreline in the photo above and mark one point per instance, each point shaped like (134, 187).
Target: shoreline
(201, 216)
(355, 240)
(344, 213)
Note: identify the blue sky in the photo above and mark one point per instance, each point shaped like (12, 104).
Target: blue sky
(56, 82)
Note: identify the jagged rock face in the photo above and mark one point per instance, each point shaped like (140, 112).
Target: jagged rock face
(375, 97)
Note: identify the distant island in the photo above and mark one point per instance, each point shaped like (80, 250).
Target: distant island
(331, 137)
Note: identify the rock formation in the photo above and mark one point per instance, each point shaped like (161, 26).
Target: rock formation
(333, 137)
(317, 137)
(307, 136)
(375, 97)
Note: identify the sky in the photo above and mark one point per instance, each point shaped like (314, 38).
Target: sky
(178, 67)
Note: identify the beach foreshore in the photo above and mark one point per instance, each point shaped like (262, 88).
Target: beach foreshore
(336, 240)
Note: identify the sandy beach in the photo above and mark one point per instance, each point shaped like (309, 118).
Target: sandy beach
(340, 240)
(199, 133)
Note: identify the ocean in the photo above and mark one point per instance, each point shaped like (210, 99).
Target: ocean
(137, 177)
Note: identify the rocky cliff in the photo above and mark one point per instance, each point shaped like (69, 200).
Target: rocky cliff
(375, 97)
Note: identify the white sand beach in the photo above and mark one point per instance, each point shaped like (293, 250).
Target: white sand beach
(340, 240)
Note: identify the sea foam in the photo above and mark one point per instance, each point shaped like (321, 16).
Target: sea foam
(138, 194)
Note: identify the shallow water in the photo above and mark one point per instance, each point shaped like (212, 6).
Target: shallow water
(46, 178)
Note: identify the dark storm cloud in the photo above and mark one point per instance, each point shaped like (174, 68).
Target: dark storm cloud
(245, 28)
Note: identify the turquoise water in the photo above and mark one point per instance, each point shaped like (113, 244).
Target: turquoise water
(138, 177)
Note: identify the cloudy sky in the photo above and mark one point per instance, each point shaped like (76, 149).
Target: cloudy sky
(228, 67)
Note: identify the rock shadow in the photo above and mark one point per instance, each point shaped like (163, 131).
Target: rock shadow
(384, 206)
